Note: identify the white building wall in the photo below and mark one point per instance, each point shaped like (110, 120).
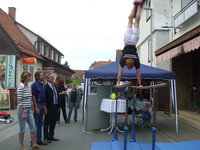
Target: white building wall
(166, 65)
(188, 25)
(163, 12)
(31, 36)
(160, 17)
(36, 67)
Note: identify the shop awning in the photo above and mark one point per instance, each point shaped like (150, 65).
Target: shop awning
(188, 42)
(187, 47)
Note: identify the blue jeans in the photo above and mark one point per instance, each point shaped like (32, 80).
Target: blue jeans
(71, 106)
(39, 122)
(29, 119)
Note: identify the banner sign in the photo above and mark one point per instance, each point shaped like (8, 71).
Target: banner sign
(48, 69)
(11, 71)
(28, 60)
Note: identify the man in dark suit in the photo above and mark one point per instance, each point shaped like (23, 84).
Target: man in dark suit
(51, 97)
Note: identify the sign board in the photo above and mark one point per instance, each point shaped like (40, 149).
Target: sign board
(10, 71)
(28, 60)
(48, 69)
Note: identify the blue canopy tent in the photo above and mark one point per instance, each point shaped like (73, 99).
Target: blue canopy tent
(110, 72)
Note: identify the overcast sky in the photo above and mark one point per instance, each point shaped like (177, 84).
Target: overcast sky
(83, 30)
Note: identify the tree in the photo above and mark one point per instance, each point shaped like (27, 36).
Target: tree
(66, 64)
(73, 81)
(94, 63)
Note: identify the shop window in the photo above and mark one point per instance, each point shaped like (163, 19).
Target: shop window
(25, 68)
(31, 71)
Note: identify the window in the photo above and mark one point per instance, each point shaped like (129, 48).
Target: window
(59, 58)
(52, 57)
(46, 51)
(41, 48)
(31, 69)
(55, 56)
(148, 12)
(149, 51)
(36, 46)
(185, 3)
(50, 53)
(25, 68)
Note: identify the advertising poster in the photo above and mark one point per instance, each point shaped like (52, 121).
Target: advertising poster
(4, 93)
(92, 90)
(10, 71)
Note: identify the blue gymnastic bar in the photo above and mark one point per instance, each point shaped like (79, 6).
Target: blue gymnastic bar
(153, 138)
(125, 137)
(115, 127)
(133, 128)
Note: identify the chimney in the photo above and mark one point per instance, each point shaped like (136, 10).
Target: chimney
(118, 55)
(12, 12)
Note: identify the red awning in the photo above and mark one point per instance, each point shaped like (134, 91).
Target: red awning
(187, 47)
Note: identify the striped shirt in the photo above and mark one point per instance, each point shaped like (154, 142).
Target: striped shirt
(24, 96)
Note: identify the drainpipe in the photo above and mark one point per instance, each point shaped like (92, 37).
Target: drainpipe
(151, 34)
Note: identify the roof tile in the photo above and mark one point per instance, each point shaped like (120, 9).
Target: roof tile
(101, 63)
(17, 35)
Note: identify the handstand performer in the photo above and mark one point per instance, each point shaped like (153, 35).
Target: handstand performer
(129, 54)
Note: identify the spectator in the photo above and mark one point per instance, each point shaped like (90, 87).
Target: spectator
(73, 102)
(62, 100)
(51, 97)
(38, 93)
(80, 92)
(25, 111)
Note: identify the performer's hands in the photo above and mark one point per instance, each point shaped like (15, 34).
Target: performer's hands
(140, 86)
(117, 85)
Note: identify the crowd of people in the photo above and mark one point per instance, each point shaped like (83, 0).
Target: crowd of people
(40, 106)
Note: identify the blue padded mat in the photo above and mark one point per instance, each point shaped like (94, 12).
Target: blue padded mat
(118, 145)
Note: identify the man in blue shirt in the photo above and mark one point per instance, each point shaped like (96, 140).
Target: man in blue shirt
(38, 93)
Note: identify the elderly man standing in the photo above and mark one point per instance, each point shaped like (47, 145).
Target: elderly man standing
(51, 96)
